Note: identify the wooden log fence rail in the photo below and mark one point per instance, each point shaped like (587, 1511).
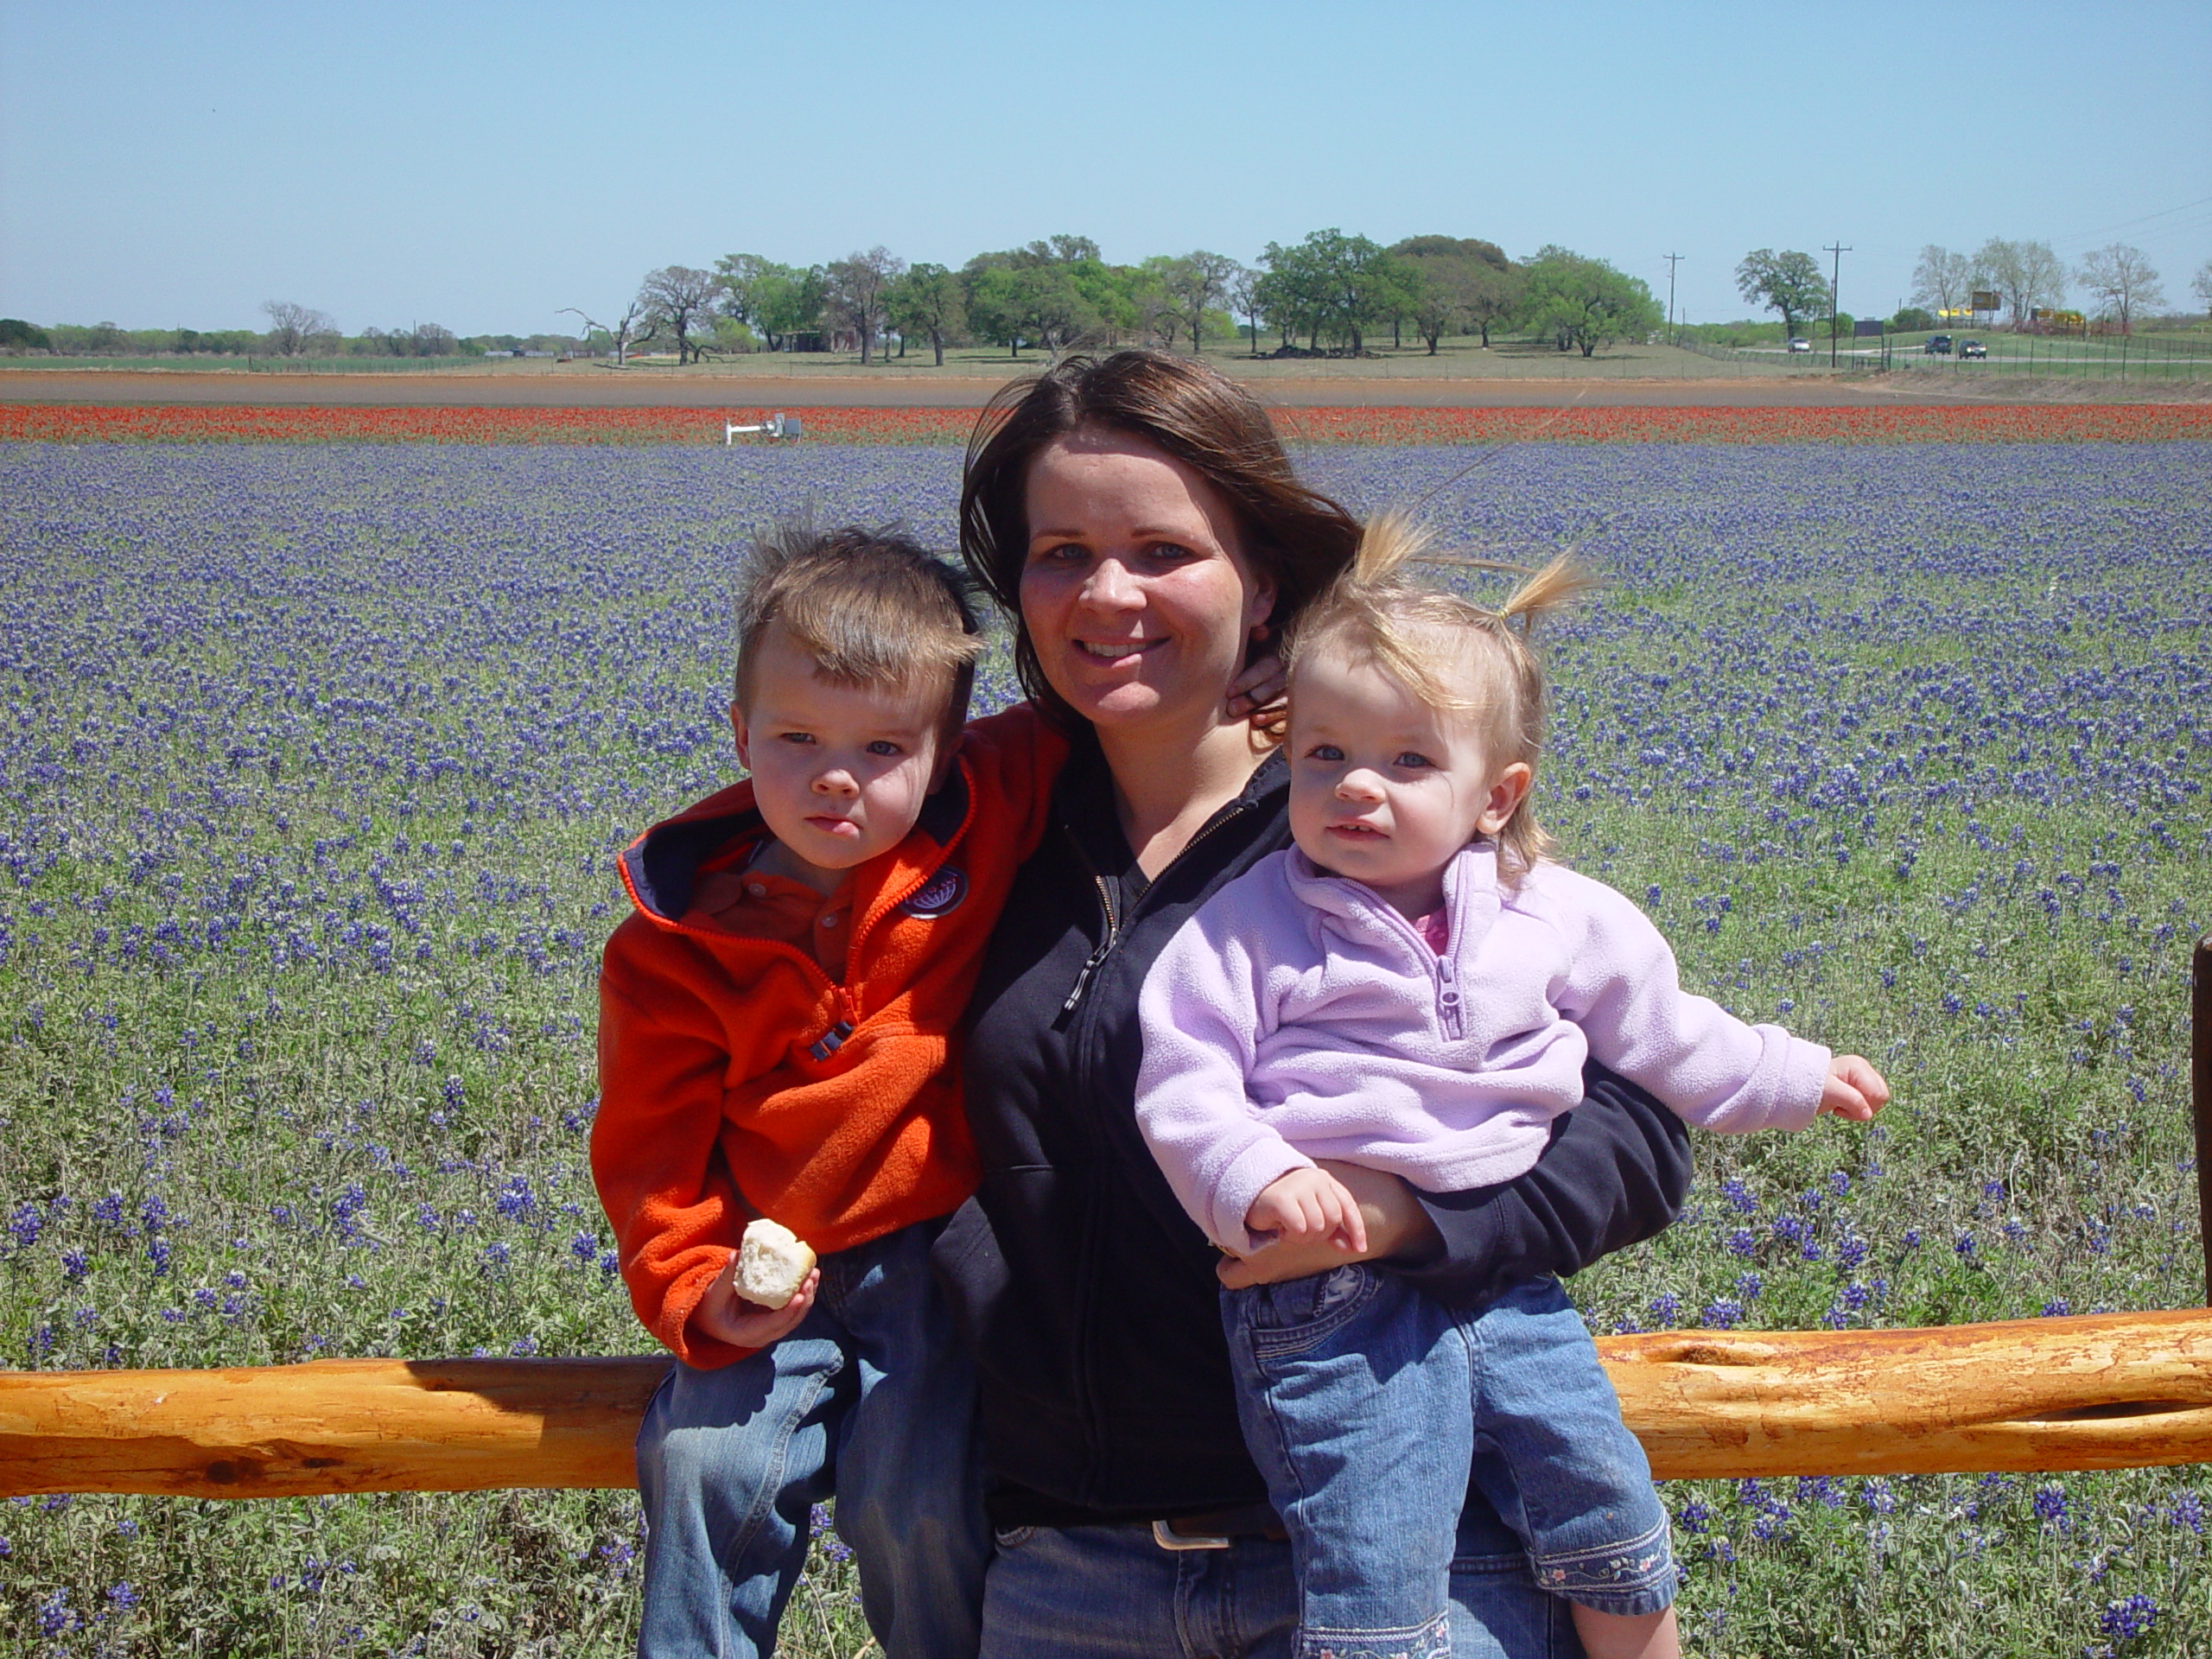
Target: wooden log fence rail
(2109, 1391)
(2106, 1391)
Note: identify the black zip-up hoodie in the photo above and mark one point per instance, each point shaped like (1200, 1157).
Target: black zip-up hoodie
(1089, 1295)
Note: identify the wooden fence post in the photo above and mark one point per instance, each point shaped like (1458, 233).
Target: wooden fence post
(2200, 1094)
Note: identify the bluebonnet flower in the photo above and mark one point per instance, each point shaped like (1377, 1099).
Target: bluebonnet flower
(2124, 1621)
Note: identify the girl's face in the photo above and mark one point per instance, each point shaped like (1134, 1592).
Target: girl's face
(1136, 595)
(1385, 789)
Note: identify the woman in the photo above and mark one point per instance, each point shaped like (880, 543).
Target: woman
(1140, 519)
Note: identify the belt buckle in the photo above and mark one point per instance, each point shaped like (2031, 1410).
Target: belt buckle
(1167, 1538)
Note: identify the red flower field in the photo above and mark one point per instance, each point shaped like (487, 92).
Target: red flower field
(1998, 423)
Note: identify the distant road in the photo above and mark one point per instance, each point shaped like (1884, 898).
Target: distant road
(643, 388)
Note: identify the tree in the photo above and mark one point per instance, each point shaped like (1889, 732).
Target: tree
(16, 335)
(1243, 298)
(857, 287)
(1455, 283)
(926, 301)
(678, 298)
(1912, 321)
(1586, 304)
(1191, 284)
(2122, 278)
(1787, 282)
(293, 328)
(635, 329)
(2201, 285)
(2027, 274)
(1493, 294)
(1942, 280)
(775, 300)
(1157, 313)
(1338, 284)
(1048, 293)
(1289, 291)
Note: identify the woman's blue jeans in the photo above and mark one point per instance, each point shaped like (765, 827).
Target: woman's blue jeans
(872, 1398)
(1112, 1592)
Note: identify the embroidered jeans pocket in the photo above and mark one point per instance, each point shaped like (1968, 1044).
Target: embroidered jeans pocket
(1298, 1313)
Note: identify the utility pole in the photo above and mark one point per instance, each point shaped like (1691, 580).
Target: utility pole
(1672, 259)
(1835, 275)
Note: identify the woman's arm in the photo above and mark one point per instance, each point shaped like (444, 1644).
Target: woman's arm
(1615, 1173)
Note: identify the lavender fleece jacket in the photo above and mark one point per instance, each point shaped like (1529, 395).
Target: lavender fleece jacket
(1298, 1017)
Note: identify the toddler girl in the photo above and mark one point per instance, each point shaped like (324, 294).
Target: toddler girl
(1415, 987)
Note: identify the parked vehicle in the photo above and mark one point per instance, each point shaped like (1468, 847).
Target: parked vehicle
(1938, 346)
(1973, 348)
(1799, 343)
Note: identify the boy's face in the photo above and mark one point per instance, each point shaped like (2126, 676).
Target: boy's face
(1385, 789)
(839, 772)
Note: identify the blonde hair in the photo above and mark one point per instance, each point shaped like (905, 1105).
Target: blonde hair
(1448, 651)
(872, 607)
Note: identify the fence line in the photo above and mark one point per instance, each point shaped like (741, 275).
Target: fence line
(2110, 1391)
(2157, 358)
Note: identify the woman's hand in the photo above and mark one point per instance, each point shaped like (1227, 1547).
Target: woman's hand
(727, 1317)
(1256, 693)
(1396, 1227)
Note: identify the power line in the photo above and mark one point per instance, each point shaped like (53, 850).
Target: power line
(2163, 212)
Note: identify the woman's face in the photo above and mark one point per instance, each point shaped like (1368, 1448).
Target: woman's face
(1136, 595)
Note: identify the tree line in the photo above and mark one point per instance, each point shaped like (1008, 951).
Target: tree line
(2028, 277)
(1329, 294)
(293, 331)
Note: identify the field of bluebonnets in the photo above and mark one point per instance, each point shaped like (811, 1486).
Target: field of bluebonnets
(312, 762)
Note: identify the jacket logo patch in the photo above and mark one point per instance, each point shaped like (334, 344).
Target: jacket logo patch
(943, 894)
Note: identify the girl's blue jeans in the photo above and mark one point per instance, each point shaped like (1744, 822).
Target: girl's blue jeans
(1371, 1408)
(872, 1400)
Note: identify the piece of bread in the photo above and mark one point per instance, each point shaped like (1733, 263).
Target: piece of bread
(771, 1263)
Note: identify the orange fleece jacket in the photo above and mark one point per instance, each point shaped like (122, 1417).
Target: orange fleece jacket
(737, 1079)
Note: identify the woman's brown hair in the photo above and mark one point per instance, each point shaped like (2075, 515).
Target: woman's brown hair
(1300, 539)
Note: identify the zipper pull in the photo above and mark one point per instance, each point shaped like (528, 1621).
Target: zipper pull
(1448, 997)
(830, 1041)
(1083, 979)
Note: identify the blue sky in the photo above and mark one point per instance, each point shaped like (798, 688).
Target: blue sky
(483, 165)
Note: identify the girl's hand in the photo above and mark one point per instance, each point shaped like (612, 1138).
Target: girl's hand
(1256, 693)
(1854, 1089)
(1397, 1228)
(1309, 1203)
(727, 1317)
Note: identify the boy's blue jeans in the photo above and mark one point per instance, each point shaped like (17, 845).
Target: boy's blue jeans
(872, 1398)
(1370, 1408)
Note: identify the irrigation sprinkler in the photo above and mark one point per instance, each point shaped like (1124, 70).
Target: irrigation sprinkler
(776, 426)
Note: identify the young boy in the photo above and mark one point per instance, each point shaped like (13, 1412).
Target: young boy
(775, 1023)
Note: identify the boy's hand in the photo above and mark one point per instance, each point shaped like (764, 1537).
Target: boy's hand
(1309, 1203)
(1854, 1089)
(727, 1317)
